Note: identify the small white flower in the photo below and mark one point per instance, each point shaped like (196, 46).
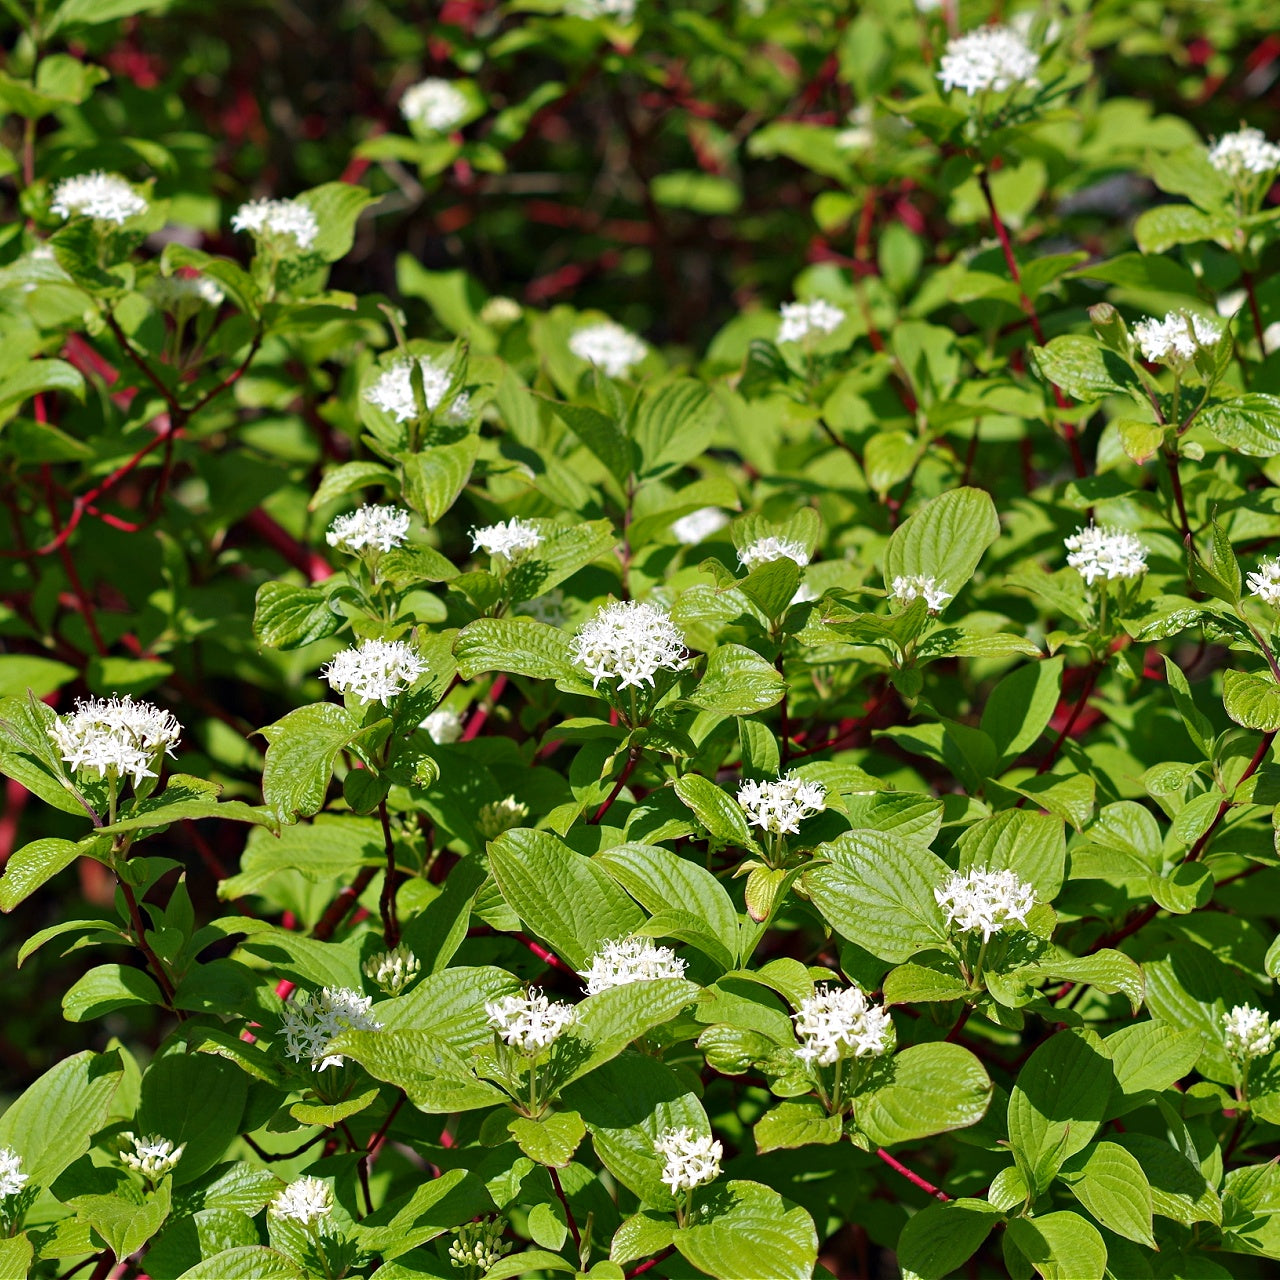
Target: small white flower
(185, 294)
(610, 346)
(699, 525)
(393, 391)
(1103, 551)
(375, 671)
(766, 550)
(692, 1159)
(479, 1244)
(281, 220)
(800, 319)
(500, 815)
(434, 104)
(1244, 154)
(115, 737)
(1248, 1032)
(443, 726)
(500, 312)
(628, 641)
(780, 806)
(510, 541)
(392, 971)
(989, 58)
(627, 960)
(836, 1023)
(1264, 582)
(905, 590)
(12, 1179)
(311, 1022)
(985, 901)
(104, 197)
(530, 1023)
(152, 1156)
(383, 527)
(304, 1200)
(621, 11)
(1177, 337)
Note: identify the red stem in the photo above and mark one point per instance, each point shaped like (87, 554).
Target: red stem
(914, 1178)
(627, 770)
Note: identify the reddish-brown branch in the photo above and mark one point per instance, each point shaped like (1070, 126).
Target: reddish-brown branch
(633, 759)
(140, 937)
(564, 1200)
(912, 1177)
(1251, 292)
(481, 713)
(390, 881)
(337, 911)
(652, 1262)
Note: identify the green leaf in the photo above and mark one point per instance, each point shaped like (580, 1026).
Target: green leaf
(1032, 844)
(877, 891)
(1070, 796)
(601, 434)
(718, 812)
(945, 539)
(610, 1020)
(1178, 1188)
(551, 1139)
(924, 1090)
(34, 377)
(565, 549)
(336, 205)
(941, 1238)
(674, 425)
(519, 1264)
(1149, 1056)
(1251, 700)
(737, 682)
(329, 1116)
(349, 477)
(518, 645)
(1020, 706)
(1249, 424)
(32, 866)
(435, 476)
(430, 1209)
(15, 1257)
(247, 1262)
(796, 1122)
(1085, 370)
(303, 746)
(94, 12)
(287, 617)
(1061, 1246)
(106, 988)
(913, 983)
(745, 1231)
(125, 1223)
(196, 1099)
(1110, 1183)
(1160, 229)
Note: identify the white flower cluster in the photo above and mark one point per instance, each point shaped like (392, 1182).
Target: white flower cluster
(434, 104)
(1103, 551)
(992, 57)
(800, 319)
(1245, 153)
(479, 1244)
(376, 670)
(392, 971)
(304, 1200)
(311, 1022)
(698, 525)
(621, 11)
(104, 197)
(1264, 582)
(185, 293)
(780, 806)
(692, 1159)
(12, 1179)
(280, 220)
(906, 589)
(115, 736)
(443, 726)
(627, 960)
(393, 391)
(985, 901)
(629, 641)
(766, 550)
(501, 312)
(1177, 337)
(510, 540)
(1248, 1032)
(531, 1022)
(152, 1156)
(610, 346)
(383, 527)
(837, 1023)
(500, 815)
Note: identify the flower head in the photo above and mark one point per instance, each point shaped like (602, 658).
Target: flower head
(152, 1156)
(115, 736)
(393, 391)
(500, 815)
(185, 294)
(621, 11)
(627, 960)
(765, 550)
(1244, 154)
(531, 1022)
(1248, 1032)
(1177, 337)
(985, 901)
(511, 541)
(500, 312)
(104, 197)
(692, 1159)
(800, 319)
(279, 220)
(836, 1023)
(479, 1244)
(304, 1200)
(989, 58)
(12, 1179)
(906, 589)
(392, 971)
(1264, 582)
(434, 104)
(628, 641)
(383, 527)
(610, 346)
(1103, 551)
(311, 1022)
(443, 726)
(698, 525)
(780, 806)
(375, 671)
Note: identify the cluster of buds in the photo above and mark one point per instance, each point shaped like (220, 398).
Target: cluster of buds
(392, 971)
(152, 1156)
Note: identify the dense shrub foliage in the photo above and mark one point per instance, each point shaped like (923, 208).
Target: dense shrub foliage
(640, 640)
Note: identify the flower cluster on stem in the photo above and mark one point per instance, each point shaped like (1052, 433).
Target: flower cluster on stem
(376, 670)
(627, 960)
(311, 1022)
